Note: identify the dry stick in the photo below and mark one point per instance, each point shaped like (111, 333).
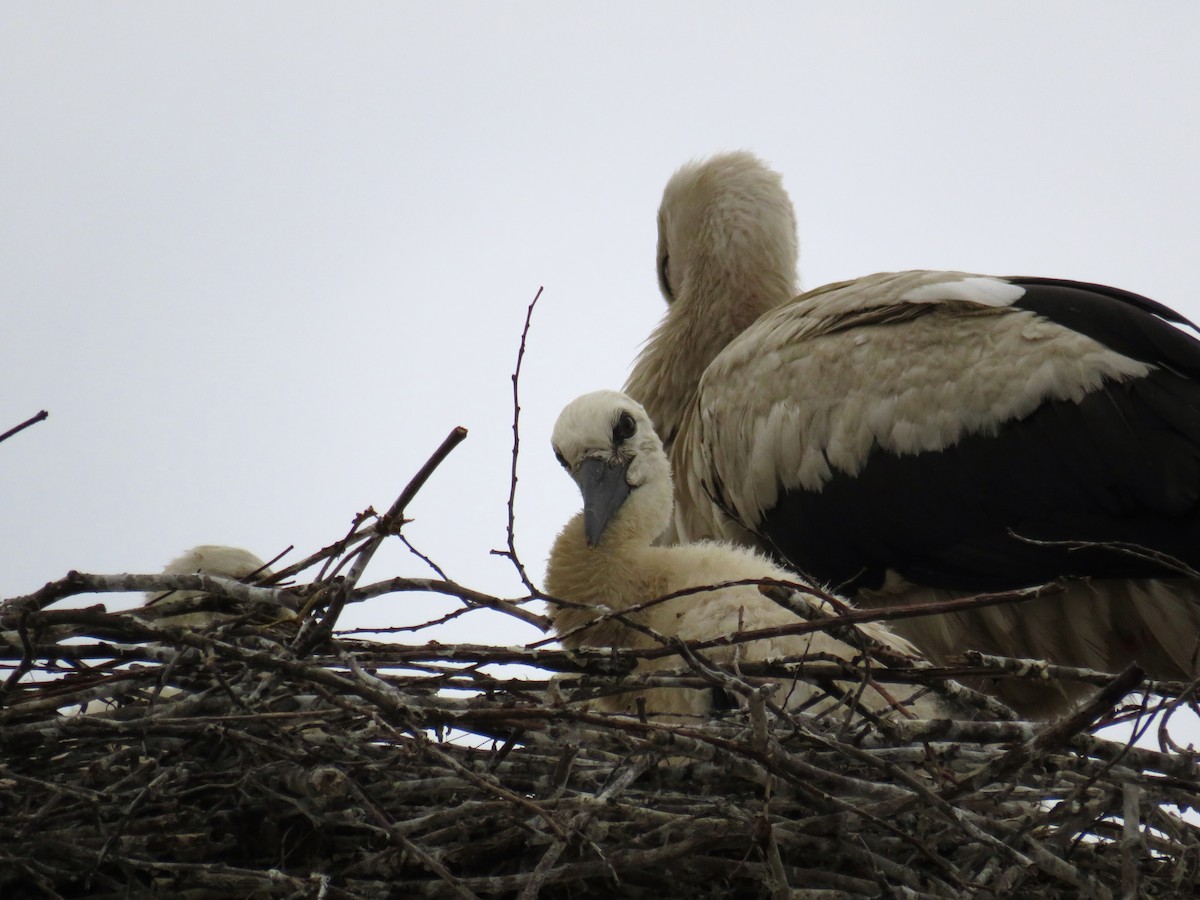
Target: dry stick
(1051, 737)
(621, 615)
(1038, 670)
(392, 518)
(1137, 551)
(452, 589)
(492, 786)
(74, 582)
(25, 665)
(33, 420)
(1116, 759)
(311, 635)
(577, 825)
(511, 552)
(337, 548)
(1130, 841)
(851, 617)
(403, 841)
(125, 817)
(421, 556)
(906, 611)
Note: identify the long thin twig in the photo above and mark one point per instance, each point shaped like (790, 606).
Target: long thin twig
(510, 552)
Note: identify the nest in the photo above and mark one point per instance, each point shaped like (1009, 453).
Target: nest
(269, 755)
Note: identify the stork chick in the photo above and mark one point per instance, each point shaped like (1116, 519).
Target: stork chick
(605, 561)
(176, 608)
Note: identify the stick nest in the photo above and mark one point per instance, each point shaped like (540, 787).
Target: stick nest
(266, 755)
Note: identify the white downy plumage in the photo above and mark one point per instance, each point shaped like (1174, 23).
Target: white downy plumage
(909, 436)
(605, 560)
(173, 608)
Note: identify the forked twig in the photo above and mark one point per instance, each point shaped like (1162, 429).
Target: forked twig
(394, 517)
(313, 634)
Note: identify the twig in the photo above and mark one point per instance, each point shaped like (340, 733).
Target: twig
(855, 617)
(337, 548)
(1053, 736)
(511, 552)
(392, 518)
(1164, 562)
(1131, 843)
(32, 420)
(453, 589)
(316, 631)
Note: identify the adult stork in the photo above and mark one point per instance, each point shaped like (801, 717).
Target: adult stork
(613, 577)
(918, 436)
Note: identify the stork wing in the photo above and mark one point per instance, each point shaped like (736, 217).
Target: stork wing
(935, 424)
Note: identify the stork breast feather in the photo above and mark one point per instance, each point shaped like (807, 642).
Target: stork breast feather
(799, 398)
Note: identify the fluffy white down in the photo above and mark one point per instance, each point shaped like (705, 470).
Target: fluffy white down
(209, 559)
(626, 570)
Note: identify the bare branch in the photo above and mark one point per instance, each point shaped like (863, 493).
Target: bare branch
(41, 416)
(511, 552)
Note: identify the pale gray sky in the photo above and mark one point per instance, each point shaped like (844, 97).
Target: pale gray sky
(257, 259)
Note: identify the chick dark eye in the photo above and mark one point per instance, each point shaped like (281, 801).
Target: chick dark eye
(562, 460)
(624, 428)
(664, 277)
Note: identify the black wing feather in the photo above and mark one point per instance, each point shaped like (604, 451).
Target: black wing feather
(1122, 465)
(1128, 323)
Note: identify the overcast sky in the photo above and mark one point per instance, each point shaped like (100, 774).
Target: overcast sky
(257, 259)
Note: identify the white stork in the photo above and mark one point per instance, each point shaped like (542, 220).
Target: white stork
(605, 560)
(918, 436)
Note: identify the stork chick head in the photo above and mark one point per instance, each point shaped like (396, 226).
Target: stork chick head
(727, 230)
(607, 444)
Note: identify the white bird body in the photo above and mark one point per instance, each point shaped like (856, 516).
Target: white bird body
(621, 569)
(207, 559)
(907, 436)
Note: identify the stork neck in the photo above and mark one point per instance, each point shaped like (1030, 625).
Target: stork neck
(697, 327)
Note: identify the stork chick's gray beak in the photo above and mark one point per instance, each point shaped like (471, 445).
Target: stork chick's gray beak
(604, 489)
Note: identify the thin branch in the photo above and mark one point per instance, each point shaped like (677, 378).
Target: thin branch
(317, 630)
(511, 552)
(394, 517)
(1163, 562)
(357, 534)
(32, 420)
